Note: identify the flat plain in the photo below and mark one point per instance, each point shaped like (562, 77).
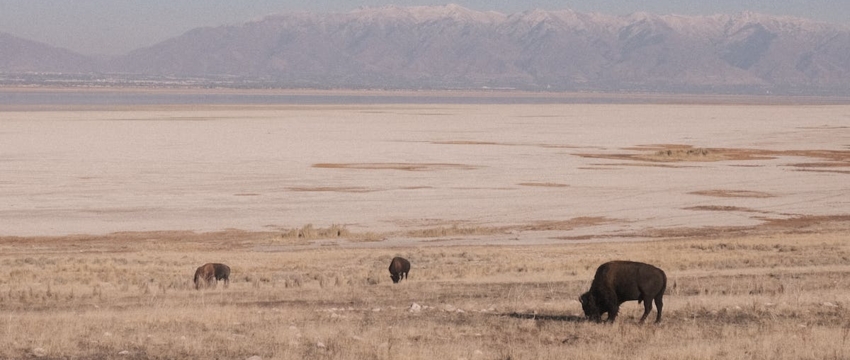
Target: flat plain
(504, 210)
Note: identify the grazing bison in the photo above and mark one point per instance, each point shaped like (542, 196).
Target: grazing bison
(210, 273)
(619, 281)
(399, 268)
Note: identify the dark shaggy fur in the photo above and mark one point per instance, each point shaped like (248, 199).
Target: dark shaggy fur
(210, 273)
(619, 281)
(399, 268)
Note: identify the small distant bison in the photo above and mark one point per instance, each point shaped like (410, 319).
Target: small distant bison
(619, 281)
(210, 273)
(399, 268)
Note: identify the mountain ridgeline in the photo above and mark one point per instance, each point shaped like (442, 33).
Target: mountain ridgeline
(451, 47)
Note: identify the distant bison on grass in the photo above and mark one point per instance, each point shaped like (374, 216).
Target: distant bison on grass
(399, 268)
(210, 273)
(616, 282)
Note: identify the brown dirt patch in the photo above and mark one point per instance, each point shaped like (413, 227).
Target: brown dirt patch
(493, 143)
(821, 165)
(547, 184)
(600, 167)
(551, 146)
(808, 222)
(826, 171)
(722, 208)
(396, 166)
(643, 164)
(469, 142)
(567, 224)
(732, 193)
(342, 189)
(836, 160)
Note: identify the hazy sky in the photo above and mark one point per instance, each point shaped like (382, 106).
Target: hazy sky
(117, 26)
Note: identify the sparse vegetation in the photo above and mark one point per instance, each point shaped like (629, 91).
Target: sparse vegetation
(686, 153)
(752, 297)
(308, 232)
(683, 152)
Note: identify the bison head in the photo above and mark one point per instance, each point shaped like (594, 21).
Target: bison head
(588, 304)
(395, 277)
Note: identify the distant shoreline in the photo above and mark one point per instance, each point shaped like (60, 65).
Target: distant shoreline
(35, 98)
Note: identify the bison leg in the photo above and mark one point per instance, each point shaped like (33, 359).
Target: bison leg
(612, 313)
(658, 305)
(610, 304)
(647, 307)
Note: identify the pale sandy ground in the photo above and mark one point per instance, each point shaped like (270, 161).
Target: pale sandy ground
(391, 168)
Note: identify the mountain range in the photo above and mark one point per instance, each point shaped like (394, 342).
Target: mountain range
(451, 47)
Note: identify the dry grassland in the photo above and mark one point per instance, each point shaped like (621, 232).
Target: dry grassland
(778, 295)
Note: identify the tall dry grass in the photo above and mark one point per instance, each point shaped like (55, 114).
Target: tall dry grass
(766, 297)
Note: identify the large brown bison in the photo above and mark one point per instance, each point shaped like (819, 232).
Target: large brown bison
(399, 268)
(619, 281)
(210, 273)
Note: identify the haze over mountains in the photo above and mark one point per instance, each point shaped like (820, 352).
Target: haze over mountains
(451, 47)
